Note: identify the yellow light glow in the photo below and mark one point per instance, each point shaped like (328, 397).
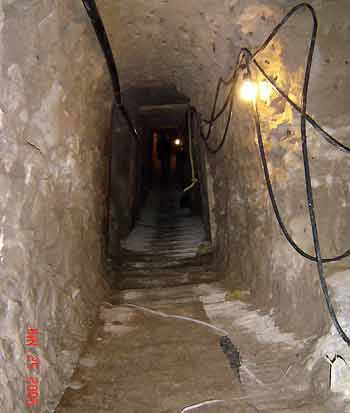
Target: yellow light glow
(264, 90)
(249, 91)
(177, 142)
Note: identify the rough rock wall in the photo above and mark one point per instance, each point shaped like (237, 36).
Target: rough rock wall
(54, 121)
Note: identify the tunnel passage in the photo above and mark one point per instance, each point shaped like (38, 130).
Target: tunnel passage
(55, 118)
(188, 45)
(166, 214)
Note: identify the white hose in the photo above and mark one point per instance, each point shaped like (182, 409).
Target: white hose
(178, 317)
(221, 331)
(252, 375)
(196, 406)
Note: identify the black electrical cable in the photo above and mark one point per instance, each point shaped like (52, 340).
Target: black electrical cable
(224, 136)
(275, 205)
(215, 116)
(313, 123)
(308, 186)
(330, 139)
(276, 208)
(250, 58)
(96, 20)
(101, 34)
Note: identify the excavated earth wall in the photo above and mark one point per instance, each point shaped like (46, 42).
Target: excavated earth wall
(55, 116)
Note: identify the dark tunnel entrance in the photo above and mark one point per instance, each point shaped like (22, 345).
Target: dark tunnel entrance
(159, 184)
(170, 167)
(169, 154)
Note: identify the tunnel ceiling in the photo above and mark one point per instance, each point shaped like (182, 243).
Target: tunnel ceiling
(185, 43)
(164, 116)
(157, 106)
(189, 44)
(167, 42)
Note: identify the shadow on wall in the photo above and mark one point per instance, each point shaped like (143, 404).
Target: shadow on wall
(123, 184)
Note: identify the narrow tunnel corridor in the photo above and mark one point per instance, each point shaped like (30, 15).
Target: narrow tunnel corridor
(174, 206)
(169, 218)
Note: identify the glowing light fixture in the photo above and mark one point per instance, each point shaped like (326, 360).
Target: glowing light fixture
(177, 142)
(264, 90)
(252, 90)
(249, 91)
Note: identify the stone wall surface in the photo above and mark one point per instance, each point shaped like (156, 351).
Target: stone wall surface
(190, 44)
(55, 106)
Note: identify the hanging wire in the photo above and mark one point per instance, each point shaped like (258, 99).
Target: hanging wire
(245, 64)
(215, 115)
(274, 202)
(101, 34)
(194, 180)
(228, 102)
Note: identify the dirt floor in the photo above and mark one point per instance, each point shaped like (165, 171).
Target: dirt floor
(140, 360)
(137, 361)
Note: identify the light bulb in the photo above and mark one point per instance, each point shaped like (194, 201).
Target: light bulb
(177, 142)
(249, 91)
(264, 90)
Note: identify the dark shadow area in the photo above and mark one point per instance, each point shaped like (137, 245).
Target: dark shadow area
(171, 166)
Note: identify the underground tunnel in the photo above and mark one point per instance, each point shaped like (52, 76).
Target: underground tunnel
(174, 206)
